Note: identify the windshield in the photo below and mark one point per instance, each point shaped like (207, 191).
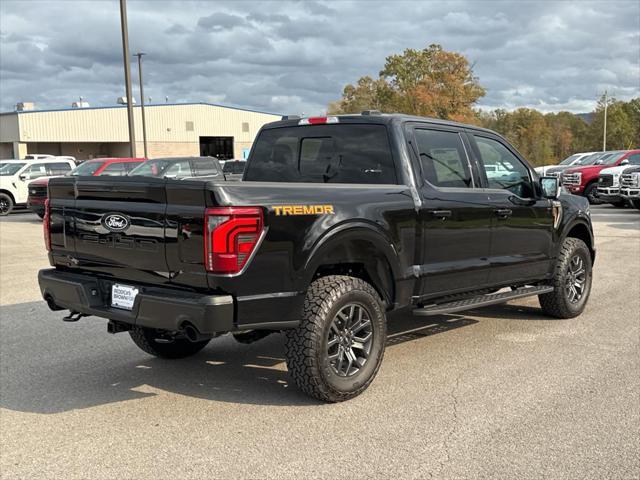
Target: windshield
(590, 159)
(163, 168)
(612, 158)
(86, 169)
(569, 160)
(10, 168)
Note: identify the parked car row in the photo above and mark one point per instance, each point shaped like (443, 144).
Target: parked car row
(598, 176)
(17, 187)
(585, 179)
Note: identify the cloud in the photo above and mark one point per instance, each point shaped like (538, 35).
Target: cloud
(217, 22)
(296, 56)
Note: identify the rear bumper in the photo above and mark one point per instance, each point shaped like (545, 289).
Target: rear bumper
(154, 307)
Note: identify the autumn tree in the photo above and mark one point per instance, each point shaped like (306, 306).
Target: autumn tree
(429, 82)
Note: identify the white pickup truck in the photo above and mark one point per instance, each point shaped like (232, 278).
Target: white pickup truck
(15, 176)
(609, 181)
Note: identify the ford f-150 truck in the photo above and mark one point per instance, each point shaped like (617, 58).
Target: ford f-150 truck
(338, 222)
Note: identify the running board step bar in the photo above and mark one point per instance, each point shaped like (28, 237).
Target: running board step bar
(480, 301)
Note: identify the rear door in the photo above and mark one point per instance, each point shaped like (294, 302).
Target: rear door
(454, 218)
(522, 223)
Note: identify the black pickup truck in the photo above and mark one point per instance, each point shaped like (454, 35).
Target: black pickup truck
(338, 221)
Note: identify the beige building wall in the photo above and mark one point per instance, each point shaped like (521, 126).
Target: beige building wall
(9, 129)
(171, 129)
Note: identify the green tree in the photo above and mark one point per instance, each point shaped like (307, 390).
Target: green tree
(621, 132)
(428, 82)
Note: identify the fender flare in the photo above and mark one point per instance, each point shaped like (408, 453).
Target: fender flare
(581, 221)
(349, 233)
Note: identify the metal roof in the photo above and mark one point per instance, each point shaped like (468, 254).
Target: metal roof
(65, 109)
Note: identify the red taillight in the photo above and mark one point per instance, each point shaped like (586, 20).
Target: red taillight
(231, 234)
(46, 225)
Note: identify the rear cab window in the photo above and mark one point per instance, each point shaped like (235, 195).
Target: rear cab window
(337, 153)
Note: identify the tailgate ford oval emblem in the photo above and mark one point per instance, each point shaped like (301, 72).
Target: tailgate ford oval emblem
(115, 222)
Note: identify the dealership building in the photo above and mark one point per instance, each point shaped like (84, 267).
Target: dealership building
(189, 129)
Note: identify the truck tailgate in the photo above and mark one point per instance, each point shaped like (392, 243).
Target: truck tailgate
(121, 227)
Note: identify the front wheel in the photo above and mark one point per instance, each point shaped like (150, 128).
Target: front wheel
(636, 203)
(6, 204)
(591, 192)
(336, 351)
(571, 281)
(155, 343)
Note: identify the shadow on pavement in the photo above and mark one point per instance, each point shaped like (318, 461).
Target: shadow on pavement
(50, 367)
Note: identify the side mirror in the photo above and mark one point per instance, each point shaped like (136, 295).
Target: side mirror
(625, 162)
(550, 187)
(24, 177)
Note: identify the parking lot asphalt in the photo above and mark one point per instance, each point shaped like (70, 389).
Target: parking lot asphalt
(499, 392)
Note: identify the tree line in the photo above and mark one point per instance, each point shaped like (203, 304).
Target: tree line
(436, 83)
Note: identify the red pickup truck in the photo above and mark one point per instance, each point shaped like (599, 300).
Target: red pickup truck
(583, 180)
(99, 166)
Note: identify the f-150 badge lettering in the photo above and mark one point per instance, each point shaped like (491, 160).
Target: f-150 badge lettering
(303, 210)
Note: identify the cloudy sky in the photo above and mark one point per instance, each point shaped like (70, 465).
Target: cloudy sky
(295, 57)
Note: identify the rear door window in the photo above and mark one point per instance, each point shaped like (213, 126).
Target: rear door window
(61, 168)
(346, 153)
(443, 158)
(205, 167)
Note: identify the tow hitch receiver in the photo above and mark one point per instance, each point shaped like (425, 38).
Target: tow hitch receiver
(73, 317)
(117, 327)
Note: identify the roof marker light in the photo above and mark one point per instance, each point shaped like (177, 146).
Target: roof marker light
(318, 120)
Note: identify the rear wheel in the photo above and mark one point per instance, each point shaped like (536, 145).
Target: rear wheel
(155, 343)
(6, 204)
(336, 351)
(571, 281)
(591, 192)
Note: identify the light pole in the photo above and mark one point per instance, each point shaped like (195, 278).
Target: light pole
(127, 75)
(144, 122)
(604, 134)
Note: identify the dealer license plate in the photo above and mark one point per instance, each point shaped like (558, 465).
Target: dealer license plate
(123, 296)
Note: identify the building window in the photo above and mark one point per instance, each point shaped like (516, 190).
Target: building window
(189, 126)
(245, 127)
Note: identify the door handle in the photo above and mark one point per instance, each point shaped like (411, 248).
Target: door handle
(441, 214)
(504, 212)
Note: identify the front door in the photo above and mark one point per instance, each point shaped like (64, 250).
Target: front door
(454, 218)
(522, 221)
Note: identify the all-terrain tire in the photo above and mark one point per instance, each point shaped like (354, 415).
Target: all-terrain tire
(559, 303)
(591, 193)
(6, 204)
(307, 346)
(150, 341)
